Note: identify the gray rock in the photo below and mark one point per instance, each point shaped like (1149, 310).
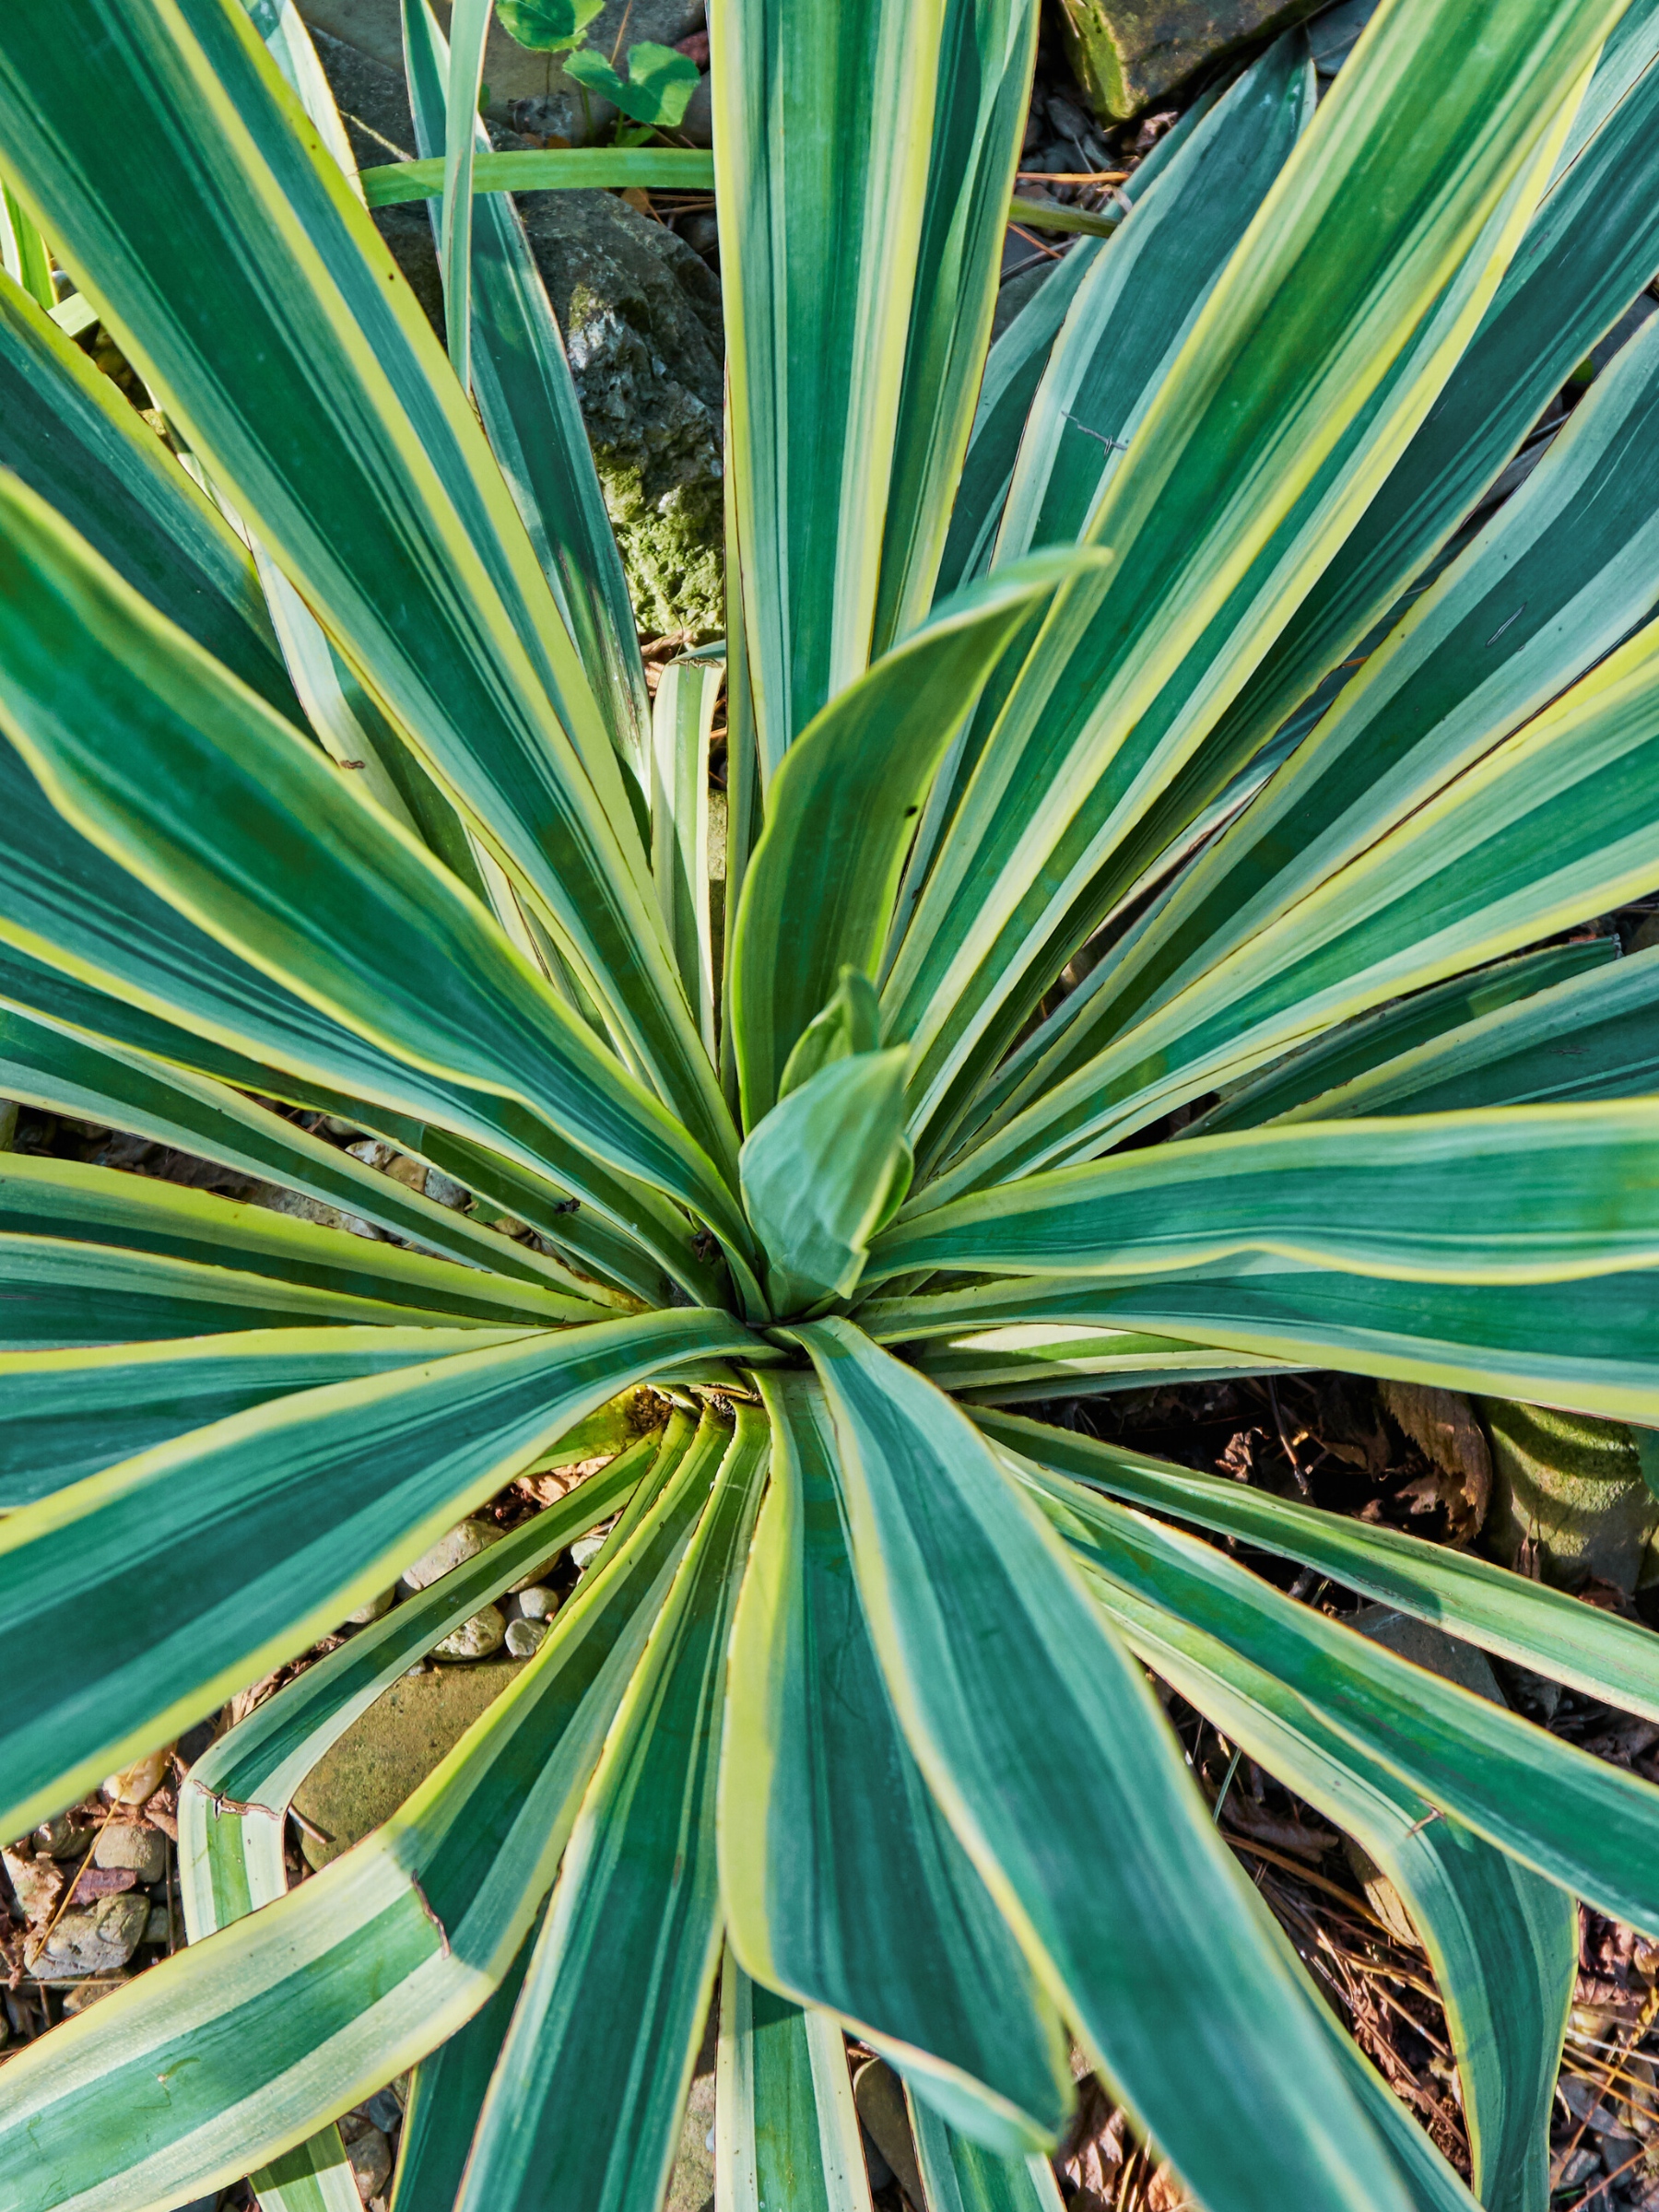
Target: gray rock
(463, 1542)
(123, 1843)
(539, 1603)
(94, 1939)
(879, 2095)
(639, 310)
(298, 1207)
(475, 1639)
(525, 1638)
(443, 1190)
(159, 1928)
(376, 1609)
(384, 2112)
(586, 1550)
(370, 2156)
(388, 1751)
(640, 316)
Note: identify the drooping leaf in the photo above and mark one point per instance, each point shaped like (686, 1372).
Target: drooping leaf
(1037, 1735)
(277, 1522)
(225, 2055)
(546, 26)
(845, 1885)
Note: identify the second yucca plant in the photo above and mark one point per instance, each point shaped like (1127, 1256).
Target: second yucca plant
(1122, 746)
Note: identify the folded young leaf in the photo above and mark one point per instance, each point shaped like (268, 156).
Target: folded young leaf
(822, 1171)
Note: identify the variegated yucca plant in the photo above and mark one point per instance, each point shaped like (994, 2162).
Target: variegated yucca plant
(1123, 745)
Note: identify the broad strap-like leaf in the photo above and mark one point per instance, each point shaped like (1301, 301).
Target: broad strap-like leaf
(1502, 1941)
(1592, 245)
(1347, 1054)
(445, 2098)
(593, 2073)
(1578, 1820)
(1134, 311)
(1013, 367)
(1547, 830)
(72, 436)
(1614, 1660)
(1558, 578)
(299, 874)
(1039, 1736)
(819, 892)
(845, 1885)
(69, 1414)
(1591, 1035)
(97, 1209)
(823, 131)
(786, 2131)
(225, 2055)
(986, 52)
(1048, 1359)
(233, 1808)
(277, 1522)
(521, 380)
(60, 894)
(385, 509)
(961, 2175)
(469, 25)
(1368, 238)
(1524, 1193)
(46, 1065)
(1583, 1343)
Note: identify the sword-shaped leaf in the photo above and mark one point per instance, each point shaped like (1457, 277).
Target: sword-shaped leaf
(275, 1523)
(845, 1885)
(225, 2054)
(593, 2073)
(1039, 1736)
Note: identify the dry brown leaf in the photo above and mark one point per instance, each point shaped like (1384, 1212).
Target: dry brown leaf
(1441, 1424)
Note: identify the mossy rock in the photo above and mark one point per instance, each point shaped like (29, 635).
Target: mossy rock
(1572, 1485)
(1128, 53)
(388, 1752)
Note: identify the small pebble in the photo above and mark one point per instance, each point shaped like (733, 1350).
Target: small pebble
(123, 1843)
(384, 2112)
(587, 1548)
(58, 1838)
(444, 1190)
(463, 1542)
(158, 1928)
(95, 1940)
(524, 1637)
(475, 1639)
(371, 2158)
(539, 1603)
(376, 1609)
